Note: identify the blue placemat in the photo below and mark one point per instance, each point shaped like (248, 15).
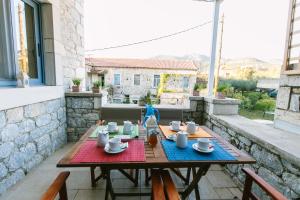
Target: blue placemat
(174, 153)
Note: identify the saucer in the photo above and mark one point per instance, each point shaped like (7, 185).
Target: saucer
(113, 131)
(174, 129)
(171, 137)
(122, 148)
(195, 146)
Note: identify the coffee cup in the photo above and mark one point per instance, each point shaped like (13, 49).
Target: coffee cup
(203, 143)
(175, 125)
(112, 126)
(114, 144)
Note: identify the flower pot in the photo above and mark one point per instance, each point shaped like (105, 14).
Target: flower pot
(96, 90)
(142, 103)
(220, 95)
(75, 88)
(195, 93)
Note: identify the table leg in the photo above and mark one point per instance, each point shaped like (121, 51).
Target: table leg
(109, 189)
(95, 179)
(146, 177)
(136, 181)
(197, 194)
(196, 178)
(188, 175)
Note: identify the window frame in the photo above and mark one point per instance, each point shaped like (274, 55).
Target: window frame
(114, 82)
(12, 37)
(156, 86)
(139, 75)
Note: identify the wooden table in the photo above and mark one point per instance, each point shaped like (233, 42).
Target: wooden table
(156, 158)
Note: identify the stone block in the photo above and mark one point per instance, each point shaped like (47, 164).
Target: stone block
(34, 110)
(33, 162)
(3, 171)
(16, 161)
(295, 103)
(11, 180)
(292, 181)
(6, 149)
(292, 168)
(43, 143)
(43, 120)
(91, 116)
(82, 103)
(29, 151)
(269, 160)
(14, 115)
(283, 98)
(22, 139)
(26, 126)
(9, 132)
(2, 119)
(53, 106)
(296, 90)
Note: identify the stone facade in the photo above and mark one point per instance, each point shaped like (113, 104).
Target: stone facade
(175, 83)
(83, 111)
(287, 114)
(29, 134)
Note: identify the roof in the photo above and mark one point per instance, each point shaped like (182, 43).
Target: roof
(141, 63)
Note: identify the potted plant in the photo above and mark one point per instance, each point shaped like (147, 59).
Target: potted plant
(96, 87)
(76, 84)
(196, 90)
(220, 92)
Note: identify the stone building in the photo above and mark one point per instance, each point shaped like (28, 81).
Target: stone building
(135, 77)
(33, 119)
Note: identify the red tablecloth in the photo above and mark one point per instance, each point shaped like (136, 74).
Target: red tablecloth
(90, 153)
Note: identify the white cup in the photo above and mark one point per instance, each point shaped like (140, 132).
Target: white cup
(112, 126)
(114, 144)
(203, 143)
(191, 127)
(175, 125)
(128, 127)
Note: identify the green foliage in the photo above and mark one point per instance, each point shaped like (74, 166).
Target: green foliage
(265, 104)
(146, 99)
(110, 90)
(76, 81)
(199, 86)
(240, 85)
(97, 84)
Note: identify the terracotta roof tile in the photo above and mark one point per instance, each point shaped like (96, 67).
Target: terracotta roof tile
(141, 63)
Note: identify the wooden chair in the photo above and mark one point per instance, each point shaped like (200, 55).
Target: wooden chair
(58, 186)
(252, 177)
(163, 186)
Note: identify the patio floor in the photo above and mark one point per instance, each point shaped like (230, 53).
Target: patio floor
(215, 185)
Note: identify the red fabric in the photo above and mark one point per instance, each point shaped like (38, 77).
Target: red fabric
(90, 153)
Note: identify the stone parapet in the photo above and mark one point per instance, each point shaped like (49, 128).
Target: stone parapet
(225, 106)
(83, 111)
(276, 152)
(29, 134)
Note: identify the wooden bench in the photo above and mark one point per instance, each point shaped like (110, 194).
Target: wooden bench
(252, 177)
(58, 186)
(163, 186)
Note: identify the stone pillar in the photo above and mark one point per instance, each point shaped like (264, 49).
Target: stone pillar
(225, 106)
(83, 111)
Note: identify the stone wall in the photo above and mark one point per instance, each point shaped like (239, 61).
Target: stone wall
(72, 33)
(83, 111)
(278, 170)
(28, 135)
(287, 115)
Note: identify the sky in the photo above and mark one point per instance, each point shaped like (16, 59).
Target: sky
(252, 28)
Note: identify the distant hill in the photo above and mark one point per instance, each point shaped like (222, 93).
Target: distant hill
(234, 68)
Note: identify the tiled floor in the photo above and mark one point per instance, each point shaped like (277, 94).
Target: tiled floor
(215, 185)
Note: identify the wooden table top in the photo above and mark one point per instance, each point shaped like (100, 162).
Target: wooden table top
(155, 157)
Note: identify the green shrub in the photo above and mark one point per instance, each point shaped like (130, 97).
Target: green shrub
(265, 104)
(76, 81)
(96, 84)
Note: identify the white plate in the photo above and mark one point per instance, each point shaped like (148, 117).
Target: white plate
(195, 146)
(173, 129)
(171, 137)
(108, 150)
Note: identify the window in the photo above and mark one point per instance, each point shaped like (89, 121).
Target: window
(137, 79)
(156, 81)
(117, 79)
(19, 41)
(185, 82)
